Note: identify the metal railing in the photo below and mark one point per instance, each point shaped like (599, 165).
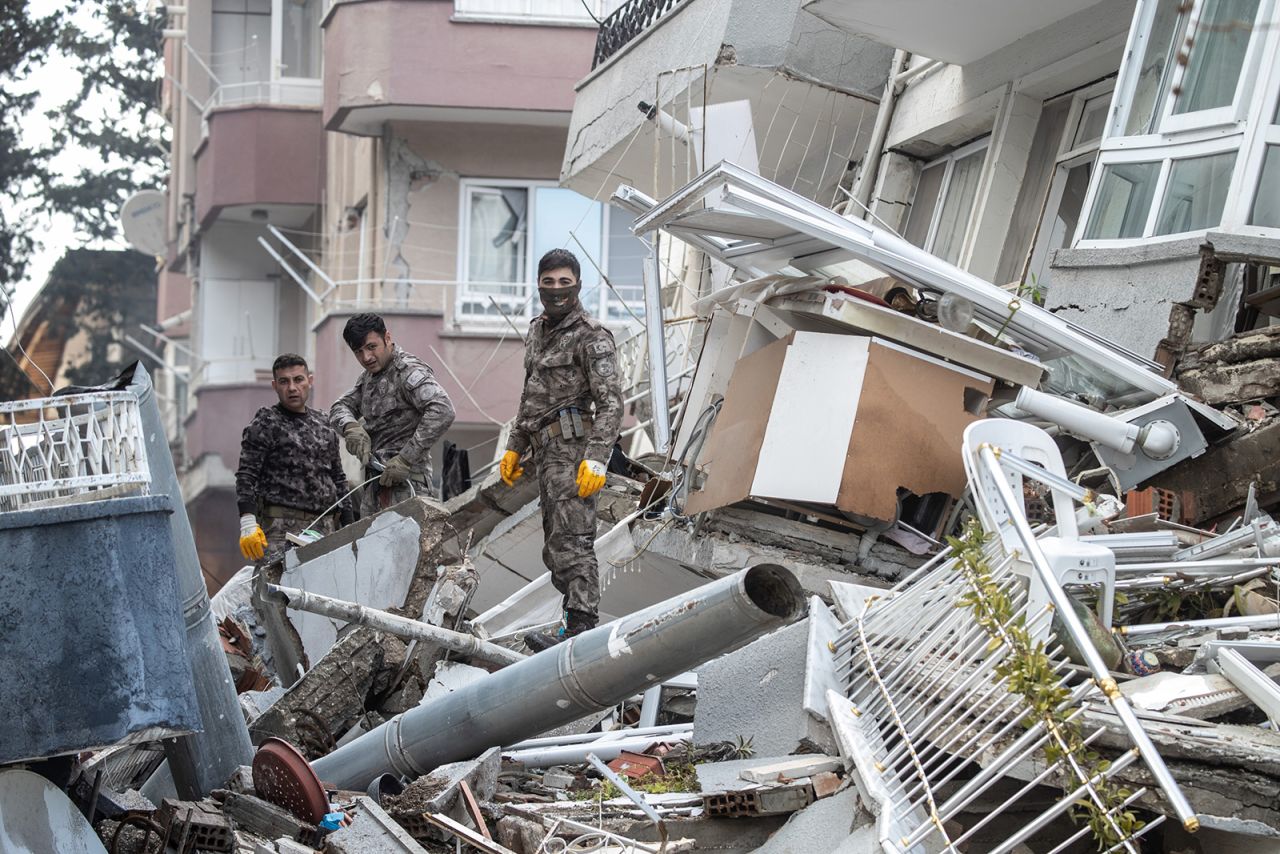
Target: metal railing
(627, 23)
(945, 671)
(65, 449)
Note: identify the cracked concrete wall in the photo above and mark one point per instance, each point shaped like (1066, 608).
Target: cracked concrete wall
(1124, 294)
(742, 43)
(815, 50)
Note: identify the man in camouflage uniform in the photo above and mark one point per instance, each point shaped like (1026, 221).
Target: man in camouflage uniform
(290, 471)
(404, 410)
(569, 415)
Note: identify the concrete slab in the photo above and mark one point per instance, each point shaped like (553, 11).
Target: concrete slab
(824, 825)
(727, 776)
(790, 769)
(820, 658)
(757, 693)
(850, 598)
(371, 831)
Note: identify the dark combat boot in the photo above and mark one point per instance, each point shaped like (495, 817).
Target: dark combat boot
(576, 622)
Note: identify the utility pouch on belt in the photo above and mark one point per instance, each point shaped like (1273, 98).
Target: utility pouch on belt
(571, 423)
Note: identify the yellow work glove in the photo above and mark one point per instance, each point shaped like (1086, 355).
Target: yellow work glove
(396, 472)
(253, 543)
(358, 442)
(590, 478)
(509, 468)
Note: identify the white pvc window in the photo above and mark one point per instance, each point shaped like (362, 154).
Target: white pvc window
(265, 51)
(580, 12)
(942, 207)
(1191, 127)
(508, 225)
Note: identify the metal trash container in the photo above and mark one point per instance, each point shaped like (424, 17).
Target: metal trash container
(93, 640)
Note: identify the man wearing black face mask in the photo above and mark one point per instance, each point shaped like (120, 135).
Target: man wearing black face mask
(570, 412)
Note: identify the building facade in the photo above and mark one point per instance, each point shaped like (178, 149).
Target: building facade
(395, 156)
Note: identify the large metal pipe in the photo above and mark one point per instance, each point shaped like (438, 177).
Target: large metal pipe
(301, 600)
(202, 761)
(585, 674)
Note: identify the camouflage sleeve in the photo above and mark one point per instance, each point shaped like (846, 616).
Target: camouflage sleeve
(255, 445)
(436, 410)
(601, 363)
(345, 409)
(518, 439)
(345, 507)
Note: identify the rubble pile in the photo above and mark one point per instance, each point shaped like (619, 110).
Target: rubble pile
(1058, 629)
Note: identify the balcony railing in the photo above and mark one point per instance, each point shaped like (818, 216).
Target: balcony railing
(630, 20)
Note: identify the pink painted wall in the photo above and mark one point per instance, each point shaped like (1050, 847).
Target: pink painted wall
(382, 53)
(259, 155)
(173, 296)
(221, 414)
(496, 390)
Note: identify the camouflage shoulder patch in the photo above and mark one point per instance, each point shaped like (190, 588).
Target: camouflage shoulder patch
(604, 367)
(416, 377)
(598, 348)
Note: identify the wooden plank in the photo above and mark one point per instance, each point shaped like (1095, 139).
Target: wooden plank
(473, 808)
(465, 833)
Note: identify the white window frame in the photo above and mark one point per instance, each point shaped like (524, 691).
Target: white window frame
(480, 11)
(949, 159)
(1068, 157)
(528, 286)
(1245, 127)
(277, 89)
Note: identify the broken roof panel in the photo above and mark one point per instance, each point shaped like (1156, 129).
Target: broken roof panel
(758, 227)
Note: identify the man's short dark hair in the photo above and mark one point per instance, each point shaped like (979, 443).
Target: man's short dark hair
(288, 360)
(557, 258)
(359, 326)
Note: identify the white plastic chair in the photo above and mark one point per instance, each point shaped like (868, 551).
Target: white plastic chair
(1073, 561)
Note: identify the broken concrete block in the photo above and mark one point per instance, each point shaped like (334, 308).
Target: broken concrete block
(757, 693)
(258, 817)
(823, 826)
(372, 831)
(1221, 384)
(825, 784)
(288, 846)
(851, 598)
(790, 769)
(521, 835)
(758, 801)
(820, 658)
(554, 778)
(437, 792)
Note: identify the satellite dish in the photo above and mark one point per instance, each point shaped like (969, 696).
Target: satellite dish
(37, 818)
(143, 219)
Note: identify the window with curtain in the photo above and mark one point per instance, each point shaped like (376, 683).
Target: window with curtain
(300, 47)
(943, 202)
(511, 224)
(1219, 39)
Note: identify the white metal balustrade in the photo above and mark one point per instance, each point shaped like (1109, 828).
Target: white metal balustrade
(66, 449)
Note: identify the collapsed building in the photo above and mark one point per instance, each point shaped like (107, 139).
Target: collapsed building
(924, 571)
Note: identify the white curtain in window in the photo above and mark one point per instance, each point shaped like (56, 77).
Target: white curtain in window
(300, 51)
(497, 235)
(957, 206)
(1222, 32)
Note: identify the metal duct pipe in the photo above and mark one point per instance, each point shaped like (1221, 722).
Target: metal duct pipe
(301, 600)
(202, 761)
(575, 754)
(589, 673)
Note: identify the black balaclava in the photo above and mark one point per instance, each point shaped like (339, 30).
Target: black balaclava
(557, 303)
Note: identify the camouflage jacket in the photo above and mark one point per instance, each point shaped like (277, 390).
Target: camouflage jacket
(404, 410)
(290, 459)
(573, 363)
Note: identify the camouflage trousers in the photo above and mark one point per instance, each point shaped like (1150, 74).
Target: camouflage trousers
(277, 527)
(568, 524)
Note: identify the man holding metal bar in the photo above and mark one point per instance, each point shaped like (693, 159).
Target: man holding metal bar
(290, 472)
(569, 415)
(392, 417)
